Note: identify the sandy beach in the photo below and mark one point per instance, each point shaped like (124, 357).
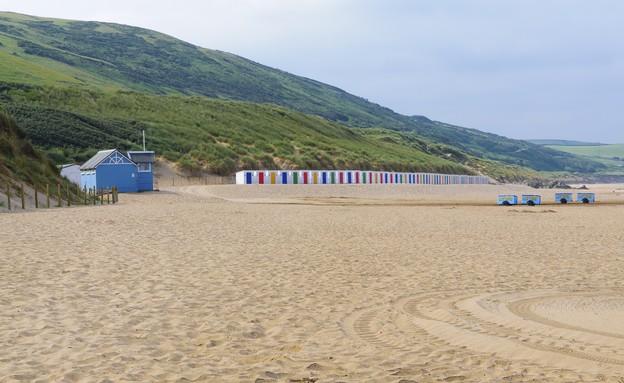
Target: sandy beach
(315, 283)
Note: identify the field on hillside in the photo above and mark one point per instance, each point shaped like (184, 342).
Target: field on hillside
(610, 155)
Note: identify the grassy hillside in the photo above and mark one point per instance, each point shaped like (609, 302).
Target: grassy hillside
(563, 143)
(105, 57)
(21, 162)
(212, 135)
(611, 156)
(18, 157)
(597, 151)
(493, 147)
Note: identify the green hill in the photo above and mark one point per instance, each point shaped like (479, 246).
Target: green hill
(611, 156)
(110, 56)
(21, 162)
(19, 159)
(216, 135)
(45, 64)
(598, 151)
(563, 143)
(493, 147)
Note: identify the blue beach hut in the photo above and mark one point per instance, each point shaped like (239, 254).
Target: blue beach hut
(145, 163)
(110, 168)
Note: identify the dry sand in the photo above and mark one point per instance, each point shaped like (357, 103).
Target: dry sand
(385, 283)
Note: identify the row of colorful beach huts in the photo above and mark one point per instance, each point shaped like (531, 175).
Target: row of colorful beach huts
(361, 177)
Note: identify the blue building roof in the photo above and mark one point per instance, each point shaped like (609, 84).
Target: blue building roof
(102, 155)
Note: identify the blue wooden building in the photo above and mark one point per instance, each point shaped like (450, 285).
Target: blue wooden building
(145, 163)
(110, 168)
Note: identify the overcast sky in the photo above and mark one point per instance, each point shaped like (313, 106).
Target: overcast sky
(519, 68)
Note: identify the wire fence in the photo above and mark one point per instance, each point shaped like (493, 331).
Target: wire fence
(160, 182)
(19, 196)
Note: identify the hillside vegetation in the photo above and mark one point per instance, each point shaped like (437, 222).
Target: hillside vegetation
(117, 80)
(217, 136)
(21, 162)
(493, 147)
(551, 143)
(611, 156)
(615, 151)
(111, 56)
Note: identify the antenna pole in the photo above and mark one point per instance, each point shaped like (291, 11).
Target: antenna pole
(144, 140)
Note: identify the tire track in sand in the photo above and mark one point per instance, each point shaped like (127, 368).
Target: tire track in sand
(500, 323)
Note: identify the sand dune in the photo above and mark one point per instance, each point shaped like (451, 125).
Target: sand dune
(315, 284)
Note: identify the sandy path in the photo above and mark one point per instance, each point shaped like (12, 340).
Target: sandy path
(239, 284)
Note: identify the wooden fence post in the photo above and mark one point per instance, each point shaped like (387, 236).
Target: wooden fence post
(60, 196)
(48, 195)
(36, 198)
(22, 190)
(108, 195)
(101, 196)
(85, 194)
(94, 195)
(78, 194)
(8, 193)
